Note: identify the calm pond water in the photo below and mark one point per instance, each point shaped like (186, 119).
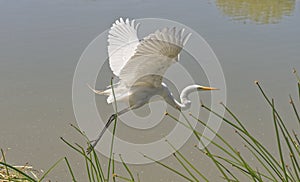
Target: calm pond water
(41, 42)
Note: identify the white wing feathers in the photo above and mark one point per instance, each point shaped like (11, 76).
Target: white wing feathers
(153, 56)
(163, 42)
(140, 63)
(122, 42)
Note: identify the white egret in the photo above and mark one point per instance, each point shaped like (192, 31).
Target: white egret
(140, 66)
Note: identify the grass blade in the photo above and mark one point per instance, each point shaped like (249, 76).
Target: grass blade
(171, 169)
(4, 160)
(262, 151)
(50, 169)
(259, 148)
(299, 90)
(278, 116)
(127, 168)
(94, 156)
(296, 74)
(262, 163)
(189, 126)
(295, 109)
(297, 142)
(192, 166)
(184, 166)
(70, 169)
(264, 156)
(88, 169)
(220, 137)
(123, 178)
(114, 131)
(295, 169)
(90, 165)
(81, 152)
(278, 141)
(19, 171)
(98, 165)
(113, 168)
(209, 154)
(80, 132)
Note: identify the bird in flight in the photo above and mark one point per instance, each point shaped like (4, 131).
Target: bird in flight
(140, 66)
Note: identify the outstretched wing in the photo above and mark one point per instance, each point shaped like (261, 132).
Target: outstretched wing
(122, 42)
(153, 56)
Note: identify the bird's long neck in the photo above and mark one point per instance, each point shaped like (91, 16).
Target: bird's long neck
(182, 105)
(184, 102)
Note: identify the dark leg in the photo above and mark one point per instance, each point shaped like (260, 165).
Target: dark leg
(94, 143)
(111, 118)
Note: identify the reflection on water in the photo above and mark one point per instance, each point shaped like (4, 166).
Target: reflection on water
(257, 11)
(41, 42)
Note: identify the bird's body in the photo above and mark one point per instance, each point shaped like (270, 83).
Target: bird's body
(140, 66)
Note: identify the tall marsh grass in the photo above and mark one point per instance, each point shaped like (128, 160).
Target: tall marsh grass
(228, 161)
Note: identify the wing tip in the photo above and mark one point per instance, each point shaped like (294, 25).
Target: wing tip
(171, 35)
(129, 22)
(186, 38)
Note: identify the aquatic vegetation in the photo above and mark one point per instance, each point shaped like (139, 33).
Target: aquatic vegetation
(26, 173)
(229, 162)
(260, 12)
(16, 173)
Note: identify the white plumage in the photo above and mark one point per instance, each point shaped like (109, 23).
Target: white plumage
(123, 41)
(140, 66)
(143, 62)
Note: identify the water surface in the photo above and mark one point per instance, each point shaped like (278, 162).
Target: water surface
(41, 42)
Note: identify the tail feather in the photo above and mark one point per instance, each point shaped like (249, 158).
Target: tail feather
(120, 93)
(114, 85)
(100, 92)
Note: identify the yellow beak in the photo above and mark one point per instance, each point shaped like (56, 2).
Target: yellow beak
(207, 88)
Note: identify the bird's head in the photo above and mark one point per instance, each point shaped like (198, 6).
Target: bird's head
(192, 88)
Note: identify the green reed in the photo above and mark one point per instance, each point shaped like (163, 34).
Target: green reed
(25, 173)
(94, 167)
(229, 162)
(284, 167)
